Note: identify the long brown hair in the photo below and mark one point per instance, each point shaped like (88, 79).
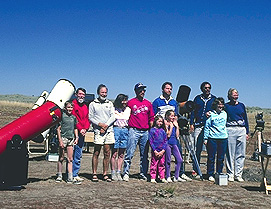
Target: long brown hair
(168, 113)
(157, 117)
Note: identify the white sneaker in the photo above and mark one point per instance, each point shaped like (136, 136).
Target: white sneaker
(69, 181)
(142, 177)
(114, 176)
(178, 180)
(231, 179)
(153, 181)
(164, 181)
(211, 178)
(239, 179)
(77, 178)
(119, 176)
(185, 177)
(59, 179)
(169, 180)
(75, 181)
(126, 177)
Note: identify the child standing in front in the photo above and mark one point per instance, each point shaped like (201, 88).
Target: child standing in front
(67, 135)
(172, 128)
(158, 143)
(216, 138)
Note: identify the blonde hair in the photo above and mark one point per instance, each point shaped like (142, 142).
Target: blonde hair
(230, 92)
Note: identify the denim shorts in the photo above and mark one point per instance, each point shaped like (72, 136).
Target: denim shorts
(121, 137)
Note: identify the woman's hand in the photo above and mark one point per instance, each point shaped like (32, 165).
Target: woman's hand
(208, 114)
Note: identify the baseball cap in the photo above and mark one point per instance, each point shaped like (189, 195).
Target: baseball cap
(139, 86)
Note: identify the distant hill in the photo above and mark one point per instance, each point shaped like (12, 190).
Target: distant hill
(33, 99)
(258, 110)
(18, 98)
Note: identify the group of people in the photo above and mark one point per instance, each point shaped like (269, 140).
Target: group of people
(120, 126)
(223, 128)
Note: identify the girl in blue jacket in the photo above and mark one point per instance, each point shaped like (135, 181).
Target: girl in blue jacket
(215, 137)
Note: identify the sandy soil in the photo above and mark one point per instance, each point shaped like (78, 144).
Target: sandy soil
(43, 192)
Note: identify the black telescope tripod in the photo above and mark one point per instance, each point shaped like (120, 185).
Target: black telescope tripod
(185, 136)
(259, 130)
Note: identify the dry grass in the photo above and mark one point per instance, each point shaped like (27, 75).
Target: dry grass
(10, 111)
(15, 104)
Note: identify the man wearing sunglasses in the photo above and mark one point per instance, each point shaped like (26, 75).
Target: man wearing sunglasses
(140, 121)
(203, 103)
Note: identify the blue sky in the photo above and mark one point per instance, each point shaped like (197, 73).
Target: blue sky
(120, 43)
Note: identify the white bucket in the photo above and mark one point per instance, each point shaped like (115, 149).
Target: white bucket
(61, 92)
(221, 179)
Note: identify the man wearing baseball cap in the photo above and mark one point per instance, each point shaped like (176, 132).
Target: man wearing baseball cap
(140, 121)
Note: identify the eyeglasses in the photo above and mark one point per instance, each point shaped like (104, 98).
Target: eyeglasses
(207, 87)
(141, 89)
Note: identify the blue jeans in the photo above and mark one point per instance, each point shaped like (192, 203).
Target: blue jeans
(77, 155)
(216, 147)
(137, 137)
(199, 144)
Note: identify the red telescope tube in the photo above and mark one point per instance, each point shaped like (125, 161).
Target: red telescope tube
(31, 124)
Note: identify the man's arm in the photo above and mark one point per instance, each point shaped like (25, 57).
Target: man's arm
(155, 106)
(112, 118)
(151, 116)
(207, 130)
(91, 114)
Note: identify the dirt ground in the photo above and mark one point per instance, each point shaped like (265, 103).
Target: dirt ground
(43, 192)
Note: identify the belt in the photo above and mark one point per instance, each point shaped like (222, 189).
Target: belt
(120, 126)
(140, 129)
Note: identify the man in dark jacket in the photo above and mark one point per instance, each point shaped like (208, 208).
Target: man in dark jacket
(203, 103)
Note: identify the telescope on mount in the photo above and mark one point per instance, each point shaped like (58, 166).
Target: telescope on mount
(185, 108)
(46, 113)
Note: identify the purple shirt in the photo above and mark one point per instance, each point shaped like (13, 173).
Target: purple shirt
(172, 140)
(158, 139)
(141, 113)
